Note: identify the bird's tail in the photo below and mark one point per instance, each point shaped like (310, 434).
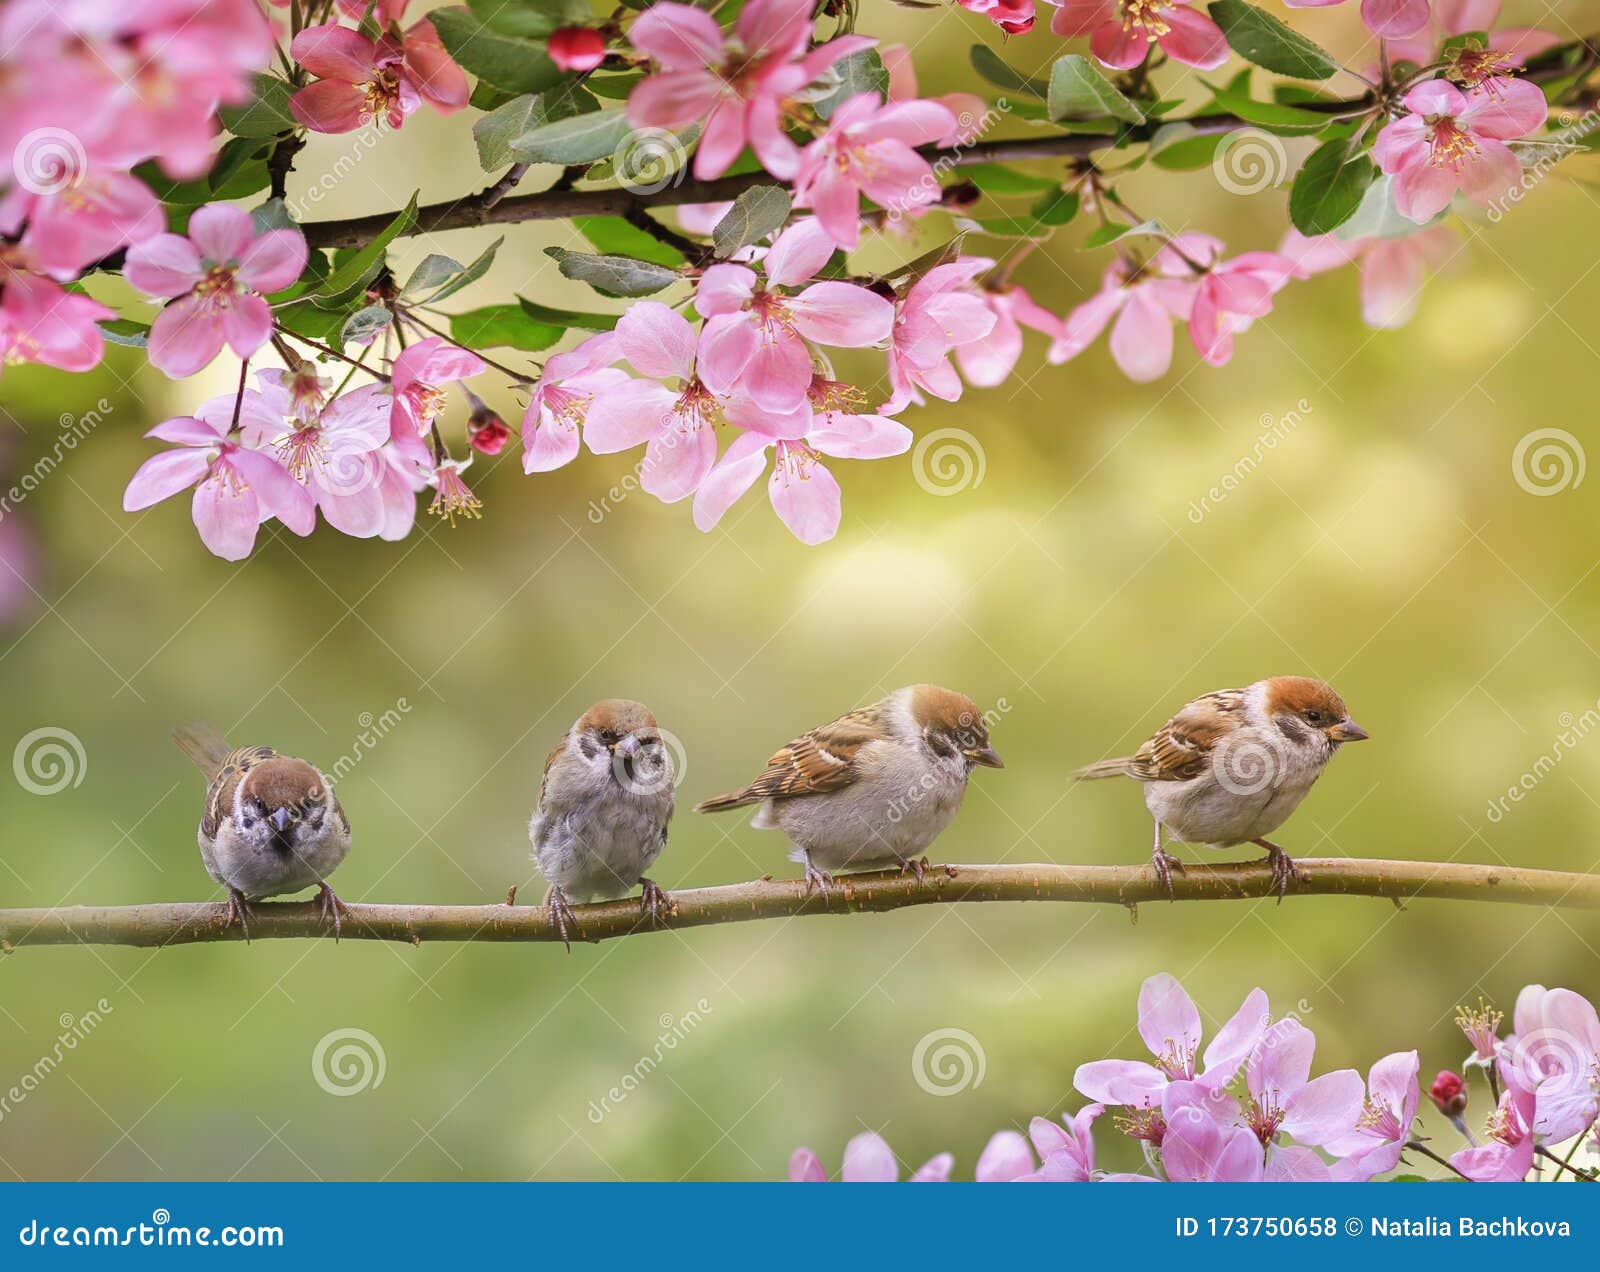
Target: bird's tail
(1120, 767)
(733, 799)
(204, 744)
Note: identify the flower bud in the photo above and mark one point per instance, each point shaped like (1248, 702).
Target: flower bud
(1449, 1093)
(577, 48)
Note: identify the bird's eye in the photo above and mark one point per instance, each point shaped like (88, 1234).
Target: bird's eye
(1314, 716)
(608, 736)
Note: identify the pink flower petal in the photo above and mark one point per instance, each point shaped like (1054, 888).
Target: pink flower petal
(743, 462)
(1435, 97)
(728, 342)
(434, 71)
(672, 98)
(797, 254)
(1117, 46)
(837, 203)
(273, 261)
(334, 51)
(277, 493)
(842, 314)
(186, 335)
(625, 416)
(1076, 18)
(778, 372)
(329, 106)
(657, 340)
(868, 1160)
(859, 436)
(781, 28)
(677, 459)
(724, 289)
(221, 231)
(1511, 108)
(1423, 190)
(1325, 1108)
(722, 140)
(247, 324)
(680, 37)
(226, 517)
(1005, 1157)
(1394, 18)
(1194, 39)
(806, 498)
(548, 443)
(166, 265)
(1168, 1019)
(804, 1168)
(162, 476)
(1141, 340)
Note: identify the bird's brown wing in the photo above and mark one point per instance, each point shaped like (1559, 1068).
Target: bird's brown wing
(825, 759)
(1181, 748)
(219, 794)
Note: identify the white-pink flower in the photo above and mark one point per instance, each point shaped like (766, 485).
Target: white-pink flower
(560, 401)
(1386, 18)
(991, 358)
(757, 328)
(869, 149)
(418, 378)
(1453, 141)
(1231, 295)
(676, 426)
(1380, 1135)
(1121, 31)
(867, 1160)
(1144, 299)
(940, 311)
(1392, 269)
(735, 84)
(217, 272)
(236, 488)
(804, 493)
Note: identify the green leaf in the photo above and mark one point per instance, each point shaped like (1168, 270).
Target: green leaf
(1187, 153)
(264, 115)
(613, 275)
(471, 274)
(532, 19)
(1258, 37)
(991, 178)
(232, 159)
(306, 318)
(616, 237)
(1111, 233)
(1329, 186)
(503, 326)
(614, 88)
(495, 131)
(1056, 207)
(509, 62)
(1234, 99)
(272, 214)
(860, 72)
(359, 267)
(989, 65)
(365, 324)
(124, 331)
(568, 317)
(756, 213)
(1078, 88)
(1004, 226)
(582, 139)
(434, 271)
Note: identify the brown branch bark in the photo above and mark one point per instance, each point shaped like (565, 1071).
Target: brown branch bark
(185, 923)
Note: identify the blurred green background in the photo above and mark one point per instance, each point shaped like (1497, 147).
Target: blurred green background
(1383, 544)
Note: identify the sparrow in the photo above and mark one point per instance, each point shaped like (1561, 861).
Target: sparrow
(1234, 764)
(872, 789)
(604, 805)
(271, 825)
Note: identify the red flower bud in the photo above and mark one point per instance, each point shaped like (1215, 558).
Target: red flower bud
(577, 48)
(485, 429)
(1449, 1093)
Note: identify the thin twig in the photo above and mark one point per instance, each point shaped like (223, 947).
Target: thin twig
(185, 922)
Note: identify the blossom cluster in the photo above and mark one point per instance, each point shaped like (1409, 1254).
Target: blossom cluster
(1246, 1109)
(738, 373)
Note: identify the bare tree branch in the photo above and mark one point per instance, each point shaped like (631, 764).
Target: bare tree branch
(184, 923)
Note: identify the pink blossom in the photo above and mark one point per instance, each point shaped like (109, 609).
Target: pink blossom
(1014, 17)
(804, 493)
(1121, 31)
(737, 85)
(41, 322)
(576, 48)
(83, 216)
(561, 399)
(217, 272)
(1383, 1129)
(990, 359)
(939, 312)
(1202, 1145)
(362, 80)
(1508, 48)
(757, 329)
(1392, 269)
(1169, 1023)
(1066, 1154)
(1388, 18)
(1453, 141)
(677, 426)
(418, 377)
(238, 488)
(971, 112)
(867, 1160)
(1554, 1053)
(332, 451)
(868, 149)
(1507, 1156)
(1284, 1097)
(1144, 299)
(1232, 294)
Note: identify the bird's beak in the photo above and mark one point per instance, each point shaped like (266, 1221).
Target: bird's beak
(628, 747)
(1347, 730)
(280, 818)
(988, 757)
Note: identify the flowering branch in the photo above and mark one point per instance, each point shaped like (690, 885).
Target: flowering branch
(184, 923)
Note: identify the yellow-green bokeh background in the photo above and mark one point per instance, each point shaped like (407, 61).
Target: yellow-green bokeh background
(1384, 544)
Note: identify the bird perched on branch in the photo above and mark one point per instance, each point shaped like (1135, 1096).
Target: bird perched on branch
(271, 825)
(604, 805)
(875, 787)
(1232, 765)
